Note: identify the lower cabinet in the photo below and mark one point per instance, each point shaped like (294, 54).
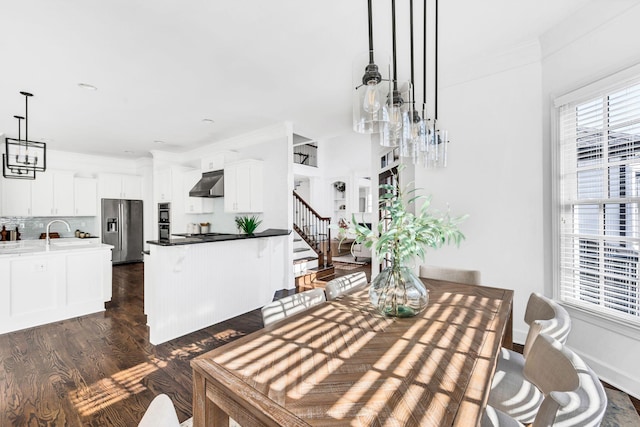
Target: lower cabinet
(42, 289)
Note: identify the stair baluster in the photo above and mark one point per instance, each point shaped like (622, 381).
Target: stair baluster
(313, 229)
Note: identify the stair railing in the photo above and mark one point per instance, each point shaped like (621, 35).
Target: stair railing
(313, 229)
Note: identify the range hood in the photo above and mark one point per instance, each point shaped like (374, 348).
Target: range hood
(210, 185)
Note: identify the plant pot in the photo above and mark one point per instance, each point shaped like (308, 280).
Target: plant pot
(398, 292)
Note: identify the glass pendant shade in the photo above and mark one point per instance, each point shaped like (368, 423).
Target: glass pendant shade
(370, 96)
(395, 131)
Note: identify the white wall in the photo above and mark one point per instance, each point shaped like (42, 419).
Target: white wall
(346, 158)
(494, 175)
(601, 40)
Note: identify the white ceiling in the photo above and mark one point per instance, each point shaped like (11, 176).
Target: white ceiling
(162, 66)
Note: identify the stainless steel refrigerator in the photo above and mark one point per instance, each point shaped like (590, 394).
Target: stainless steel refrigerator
(122, 228)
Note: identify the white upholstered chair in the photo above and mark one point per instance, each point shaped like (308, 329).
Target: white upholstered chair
(345, 284)
(160, 413)
(573, 394)
(511, 392)
(292, 304)
(468, 277)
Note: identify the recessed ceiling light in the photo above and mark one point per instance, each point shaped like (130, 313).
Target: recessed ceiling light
(208, 120)
(128, 151)
(87, 86)
(157, 141)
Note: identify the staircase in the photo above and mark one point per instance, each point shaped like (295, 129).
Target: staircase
(312, 249)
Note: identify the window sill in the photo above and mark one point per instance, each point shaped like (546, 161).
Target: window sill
(619, 326)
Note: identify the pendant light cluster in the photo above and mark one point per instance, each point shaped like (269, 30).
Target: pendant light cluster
(23, 158)
(389, 107)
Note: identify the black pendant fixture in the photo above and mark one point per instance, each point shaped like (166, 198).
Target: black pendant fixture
(369, 109)
(394, 131)
(23, 158)
(17, 172)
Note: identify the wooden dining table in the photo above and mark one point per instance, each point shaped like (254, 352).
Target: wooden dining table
(341, 363)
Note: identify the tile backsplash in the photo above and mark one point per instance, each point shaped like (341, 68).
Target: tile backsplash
(31, 227)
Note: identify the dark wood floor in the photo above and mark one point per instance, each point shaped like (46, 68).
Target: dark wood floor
(101, 370)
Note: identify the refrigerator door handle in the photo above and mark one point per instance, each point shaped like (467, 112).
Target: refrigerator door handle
(121, 220)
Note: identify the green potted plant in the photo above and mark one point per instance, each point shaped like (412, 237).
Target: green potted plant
(248, 224)
(397, 291)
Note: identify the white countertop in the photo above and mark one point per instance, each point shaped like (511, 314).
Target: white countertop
(32, 247)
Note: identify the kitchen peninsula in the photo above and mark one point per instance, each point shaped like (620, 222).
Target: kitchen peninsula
(46, 283)
(196, 281)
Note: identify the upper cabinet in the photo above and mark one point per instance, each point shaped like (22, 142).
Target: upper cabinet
(116, 186)
(85, 196)
(243, 186)
(16, 197)
(162, 185)
(52, 194)
(216, 162)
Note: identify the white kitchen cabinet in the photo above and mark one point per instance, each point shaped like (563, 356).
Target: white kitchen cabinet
(243, 186)
(194, 205)
(16, 197)
(162, 185)
(132, 187)
(85, 192)
(117, 186)
(45, 287)
(52, 194)
(216, 162)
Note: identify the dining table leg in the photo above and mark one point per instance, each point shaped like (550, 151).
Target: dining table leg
(205, 412)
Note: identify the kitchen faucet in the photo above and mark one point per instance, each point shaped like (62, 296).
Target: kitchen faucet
(48, 241)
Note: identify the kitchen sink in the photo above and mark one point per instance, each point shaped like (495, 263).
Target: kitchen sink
(71, 242)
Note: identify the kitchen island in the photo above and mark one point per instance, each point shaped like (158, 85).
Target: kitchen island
(43, 284)
(197, 281)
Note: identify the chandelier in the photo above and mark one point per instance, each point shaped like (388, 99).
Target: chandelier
(23, 158)
(389, 106)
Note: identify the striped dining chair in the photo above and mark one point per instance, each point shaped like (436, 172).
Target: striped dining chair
(468, 277)
(292, 304)
(160, 413)
(345, 284)
(511, 392)
(573, 394)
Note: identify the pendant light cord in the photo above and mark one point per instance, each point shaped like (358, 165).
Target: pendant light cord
(413, 87)
(436, 66)
(424, 60)
(393, 32)
(371, 61)
(20, 118)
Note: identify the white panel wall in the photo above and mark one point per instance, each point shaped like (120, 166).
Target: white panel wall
(495, 176)
(599, 41)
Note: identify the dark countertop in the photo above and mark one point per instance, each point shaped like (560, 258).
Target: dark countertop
(217, 237)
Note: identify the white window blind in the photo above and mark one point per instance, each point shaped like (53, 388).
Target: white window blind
(599, 200)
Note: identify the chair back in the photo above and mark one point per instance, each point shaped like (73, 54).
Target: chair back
(468, 277)
(545, 316)
(345, 284)
(573, 393)
(287, 306)
(160, 413)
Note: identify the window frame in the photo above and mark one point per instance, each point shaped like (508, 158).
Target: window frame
(598, 315)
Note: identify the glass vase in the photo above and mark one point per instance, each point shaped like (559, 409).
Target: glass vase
(398, 292)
